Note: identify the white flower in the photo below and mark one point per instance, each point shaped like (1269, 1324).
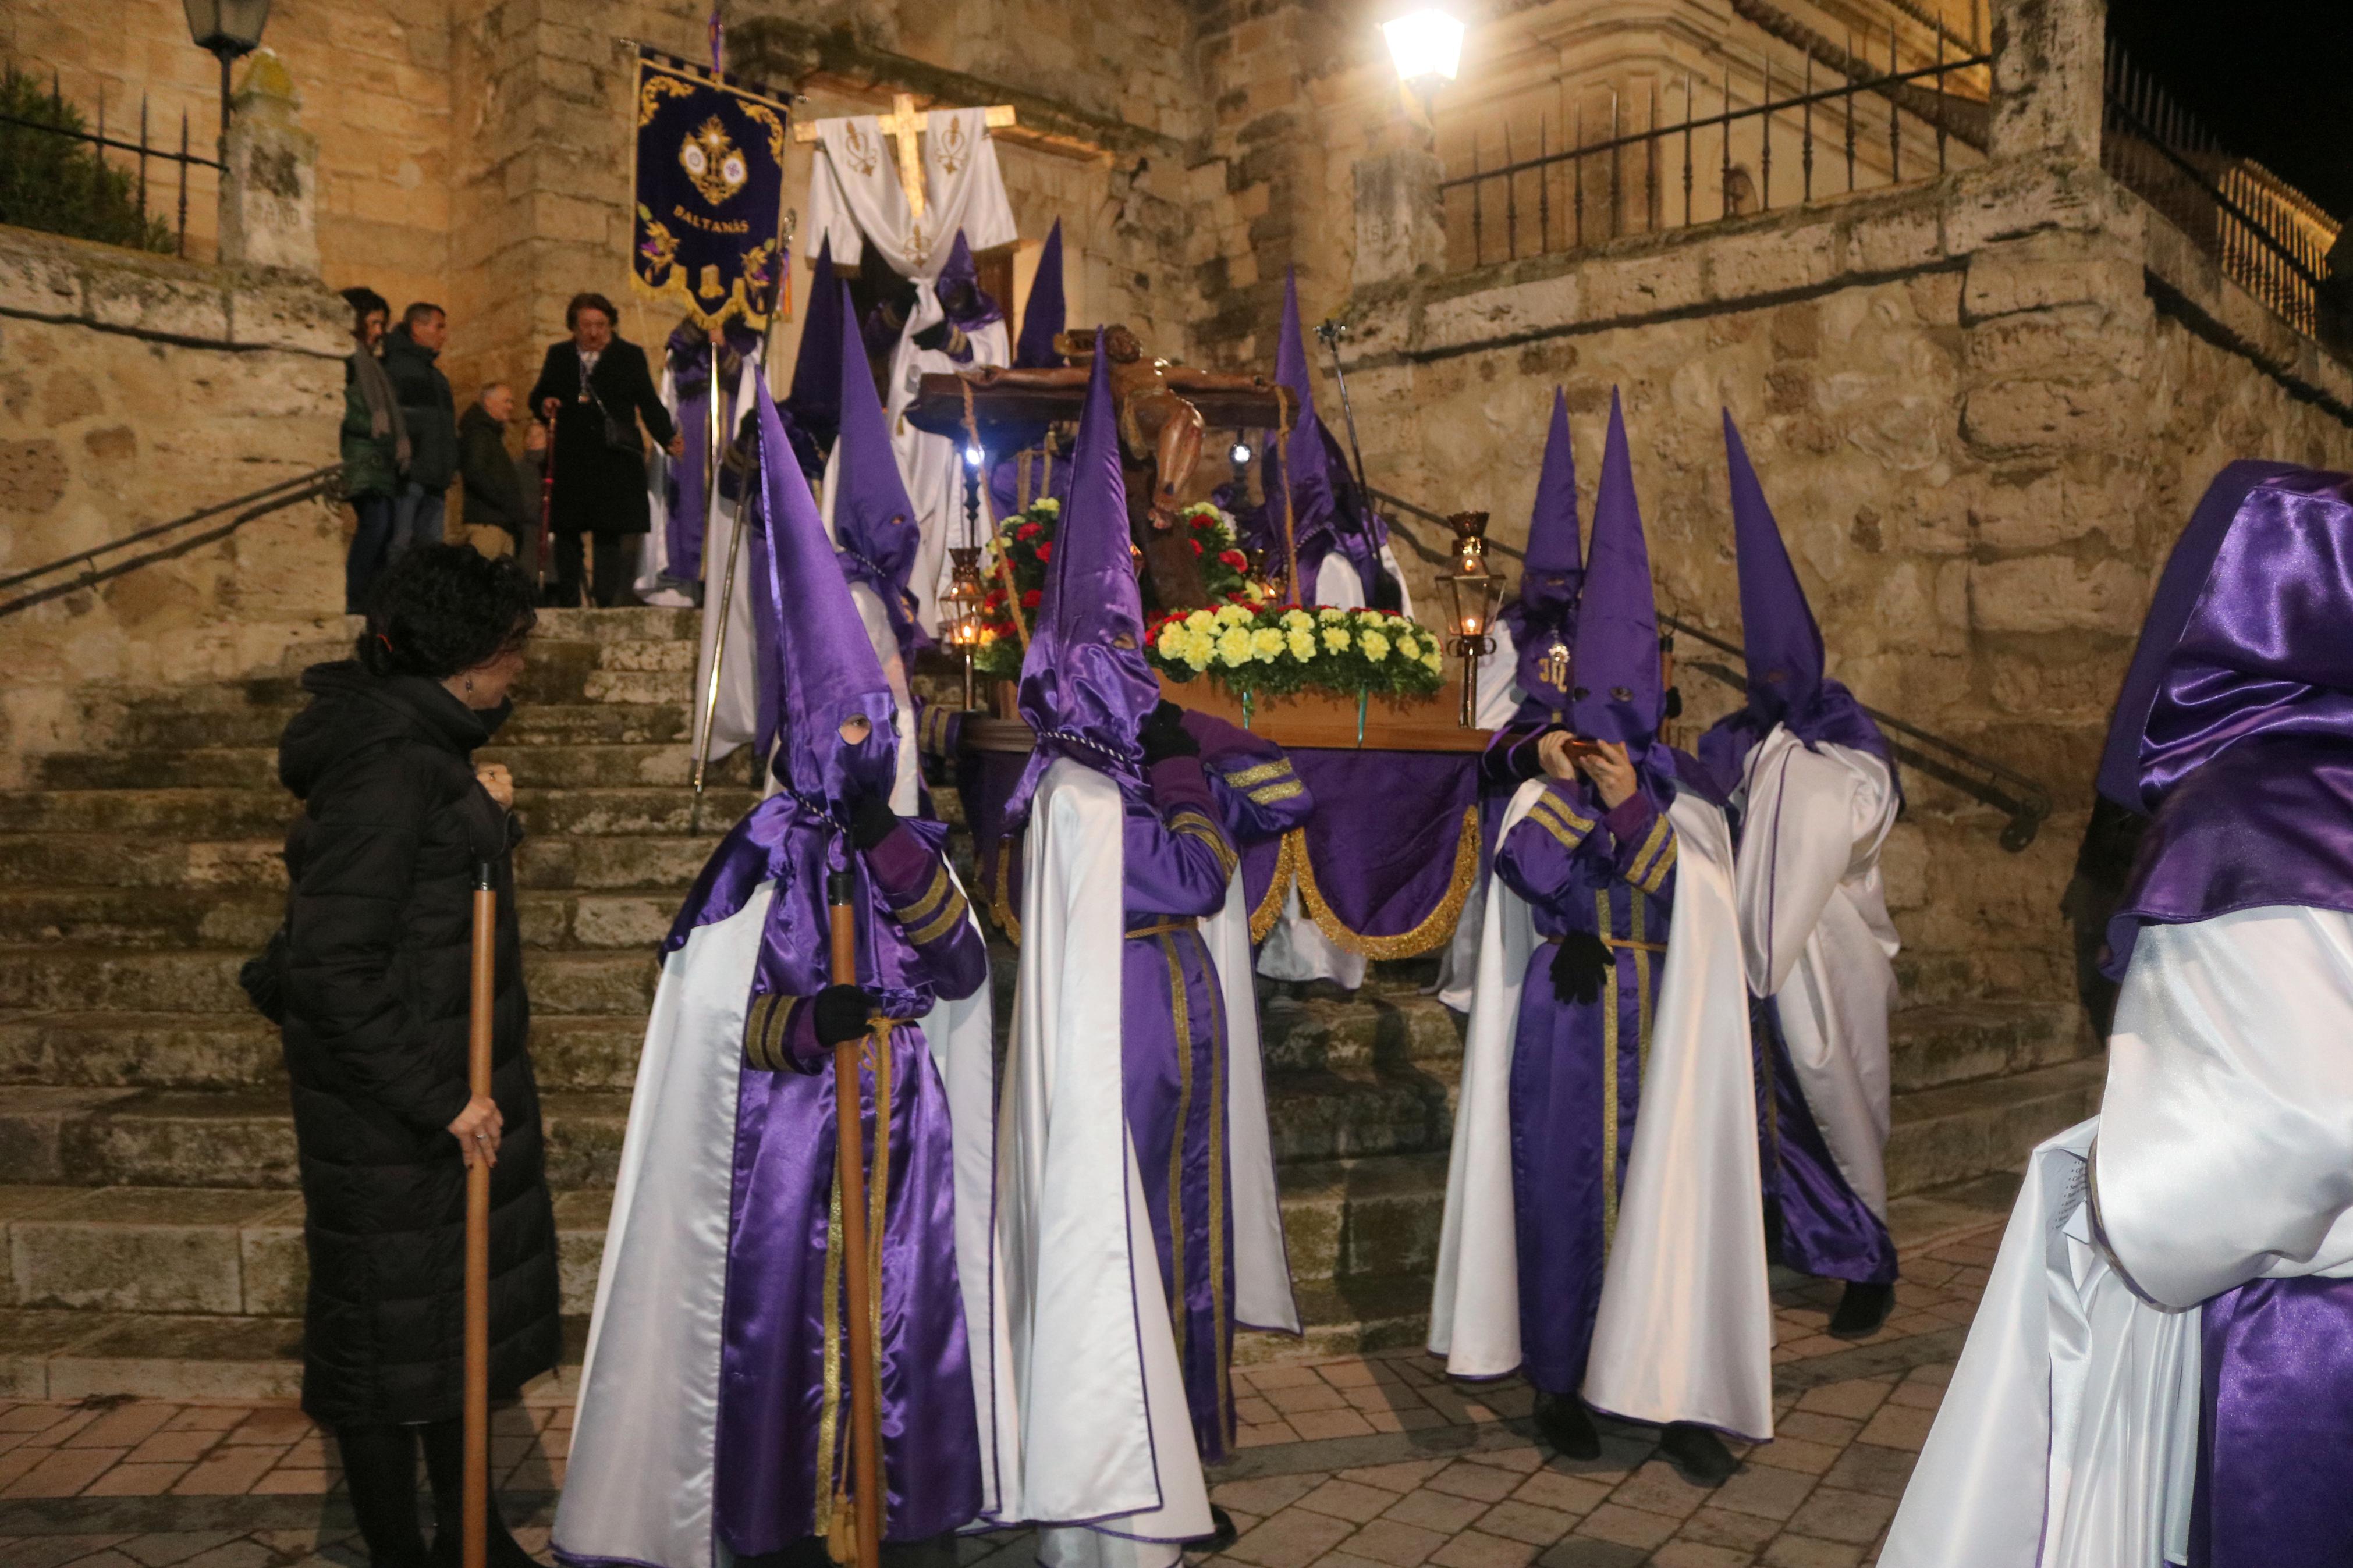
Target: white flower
(1375, 644)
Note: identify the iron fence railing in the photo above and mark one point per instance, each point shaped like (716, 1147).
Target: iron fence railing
(89, 568)
(2017, 797)
(1626, 181)
(153, 146)
(2265, 234)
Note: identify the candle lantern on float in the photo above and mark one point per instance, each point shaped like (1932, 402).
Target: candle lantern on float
(960, 610)
(1473, 595)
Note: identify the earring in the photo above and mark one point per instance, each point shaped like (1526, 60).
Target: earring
(469, 688)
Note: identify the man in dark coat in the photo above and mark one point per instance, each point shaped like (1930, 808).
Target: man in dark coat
(430, 414)
(593, 388)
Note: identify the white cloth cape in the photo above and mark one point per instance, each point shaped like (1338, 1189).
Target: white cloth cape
(1338, 586)
(2067, 1437)
(1817, 938)
(1685, 1327)
(934, 466)
(1092, 1433)
(736, 718)
(855, 198)
(638, 1487)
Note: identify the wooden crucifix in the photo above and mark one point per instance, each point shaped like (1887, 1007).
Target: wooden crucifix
(903, 125)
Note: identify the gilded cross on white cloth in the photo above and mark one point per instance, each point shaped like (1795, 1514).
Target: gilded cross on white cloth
(904, 124)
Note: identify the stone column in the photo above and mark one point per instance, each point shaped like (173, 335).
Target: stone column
(2049, 62)
(270, 183)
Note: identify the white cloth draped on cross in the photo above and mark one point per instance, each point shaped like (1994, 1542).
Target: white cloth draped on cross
(870, 184)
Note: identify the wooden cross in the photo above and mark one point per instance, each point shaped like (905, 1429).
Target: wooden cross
(903, 124)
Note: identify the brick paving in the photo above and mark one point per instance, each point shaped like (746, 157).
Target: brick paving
(1374, 1461)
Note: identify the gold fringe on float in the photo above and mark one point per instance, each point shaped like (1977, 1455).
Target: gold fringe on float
(1434, 930)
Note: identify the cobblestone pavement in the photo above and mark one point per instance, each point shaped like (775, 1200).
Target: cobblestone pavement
(1374, 1461)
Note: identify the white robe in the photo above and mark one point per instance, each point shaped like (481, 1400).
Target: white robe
(735, 718)
(1092, 1435)
(1817, 938)
(1685, 1327)
(1339, 586)
(2224, 1153)
(640, 1484)
(934, 466)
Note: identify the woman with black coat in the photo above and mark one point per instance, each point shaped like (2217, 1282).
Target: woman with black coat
(376, 993)
(593, 388)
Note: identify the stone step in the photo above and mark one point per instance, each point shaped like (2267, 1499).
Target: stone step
(187, 726)
(149, 919)
(1934, 1046)
(223, 814)
(108, 980)
(609, 862)
(1961, 1132)
(538, 766)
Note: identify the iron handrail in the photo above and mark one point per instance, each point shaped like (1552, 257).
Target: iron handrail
(2025, 802)
(321, 483)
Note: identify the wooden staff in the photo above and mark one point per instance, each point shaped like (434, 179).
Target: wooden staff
(477, 1518)
(850, 1157)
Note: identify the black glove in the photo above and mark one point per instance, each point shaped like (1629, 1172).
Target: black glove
(1675, 708)
(1579, 964)
(840, 1013)
(871, 820)
(1165, 735)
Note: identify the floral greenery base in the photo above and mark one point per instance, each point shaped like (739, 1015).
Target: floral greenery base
(1027, 542)
(1277, 649)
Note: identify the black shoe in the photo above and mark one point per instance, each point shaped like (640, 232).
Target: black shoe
(1861, 1311)
(1697, 1454)
(1225, 1533)
(1562, 1421)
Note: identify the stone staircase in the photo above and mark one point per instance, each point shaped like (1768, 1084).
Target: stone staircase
(147, 1195)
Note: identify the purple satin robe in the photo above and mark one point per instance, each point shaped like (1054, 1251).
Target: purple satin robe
(774, 1400)
(2275, 1434)
(1813, 1220)
(1173, 1058)
(1577, 1067)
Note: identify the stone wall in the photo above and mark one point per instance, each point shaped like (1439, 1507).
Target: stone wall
(133, 389)
(1982, 409)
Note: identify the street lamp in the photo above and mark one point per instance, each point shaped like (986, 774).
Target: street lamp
(1428, 49)
(1474, 594)
(229, 30)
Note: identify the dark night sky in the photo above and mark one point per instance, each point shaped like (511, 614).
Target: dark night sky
(2272, 78)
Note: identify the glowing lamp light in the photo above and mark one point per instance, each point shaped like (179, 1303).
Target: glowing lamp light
(1241, 453)
(973, 458)
(1428, 49)
(1474, 594)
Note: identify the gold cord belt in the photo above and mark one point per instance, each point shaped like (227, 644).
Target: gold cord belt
(1161, 927)
(1616, 944)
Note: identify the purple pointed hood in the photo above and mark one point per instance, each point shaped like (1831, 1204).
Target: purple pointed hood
(1302, 463)
(1546, 610)
(820, 670)
(1044, 315)
(1779, 642)
(814, 403)
(1616, 694)
(2235, 724)
(874, 520)
(961, 272)
(1086, 687)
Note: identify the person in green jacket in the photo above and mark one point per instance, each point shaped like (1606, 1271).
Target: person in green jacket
(374, 447)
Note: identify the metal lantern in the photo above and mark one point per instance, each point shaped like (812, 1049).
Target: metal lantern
(1474, 594)
(228, 30)
(960, 610)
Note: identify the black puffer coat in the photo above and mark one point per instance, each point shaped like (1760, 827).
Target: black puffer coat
(379, 930)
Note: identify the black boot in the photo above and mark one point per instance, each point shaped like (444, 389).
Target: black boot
(1562, 1421)
(380, 1470)
(444, 1465)
(1697, 1454)
(1861, 1311)
(1223, 1533)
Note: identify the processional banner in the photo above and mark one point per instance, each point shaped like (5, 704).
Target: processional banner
(709, 233)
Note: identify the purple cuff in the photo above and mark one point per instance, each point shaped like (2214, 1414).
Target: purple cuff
(1178, 782)
(901, 865)
(1631, 818)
